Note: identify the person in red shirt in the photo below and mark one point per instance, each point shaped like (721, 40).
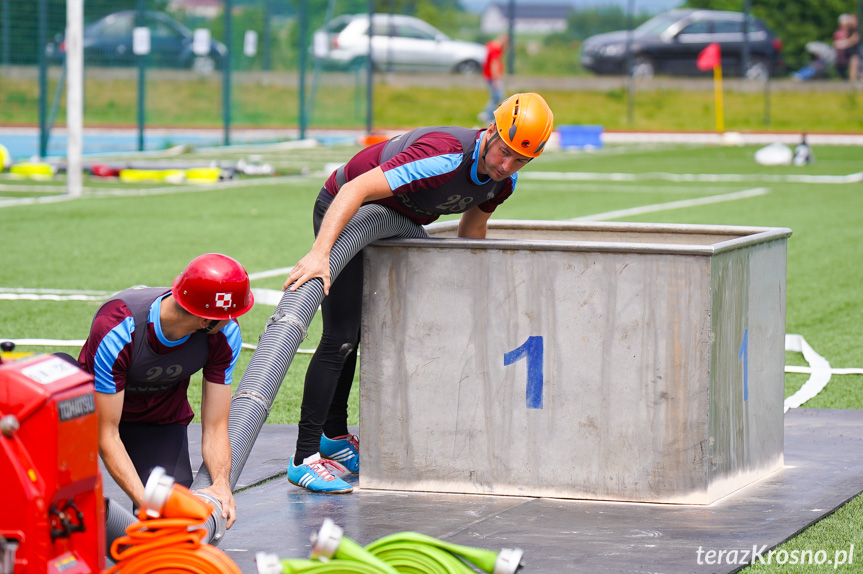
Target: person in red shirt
(492, 71)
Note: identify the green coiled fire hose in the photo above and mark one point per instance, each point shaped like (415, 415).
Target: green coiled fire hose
(402, 553)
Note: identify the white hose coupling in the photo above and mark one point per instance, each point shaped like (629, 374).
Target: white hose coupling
(156, 492)
(508, 561)
(268, 563)
(216, 525)
(325, 542)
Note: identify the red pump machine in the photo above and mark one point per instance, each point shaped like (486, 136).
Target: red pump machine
(50, 483)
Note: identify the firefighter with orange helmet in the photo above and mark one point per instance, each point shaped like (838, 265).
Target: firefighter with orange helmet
(422, 174)
(143, 347)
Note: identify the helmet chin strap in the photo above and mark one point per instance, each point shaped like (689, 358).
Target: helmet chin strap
(488, 143)
(210, 326)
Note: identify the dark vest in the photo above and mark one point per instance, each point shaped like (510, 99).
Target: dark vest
(457, 195)
(151, 372)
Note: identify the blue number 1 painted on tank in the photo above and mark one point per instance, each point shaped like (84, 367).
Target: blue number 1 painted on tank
(532, 349)
(743, 354)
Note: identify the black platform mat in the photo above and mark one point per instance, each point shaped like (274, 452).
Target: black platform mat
(822, 471)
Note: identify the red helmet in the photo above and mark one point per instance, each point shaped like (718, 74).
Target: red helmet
(214, 286)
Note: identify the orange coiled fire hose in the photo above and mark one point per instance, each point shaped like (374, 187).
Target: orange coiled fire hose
(167, 546)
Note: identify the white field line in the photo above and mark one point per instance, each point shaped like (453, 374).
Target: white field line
(55, 291)
(35, 200)
(821, 371)
(267, 296)
(597, 186)
(46, 342)
(80, 343)
(810, 370)
(264, 296)
(187, 188)
(637, 148)
(272, 297)
(819, 368)
(708, 177)
(27, 294)
(33, 188)
(618, 150)
(271, 273)
(674, 205)
(37, 297)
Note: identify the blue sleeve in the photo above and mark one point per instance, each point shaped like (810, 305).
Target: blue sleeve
(235, 341)
(108, 352)
(422, 169)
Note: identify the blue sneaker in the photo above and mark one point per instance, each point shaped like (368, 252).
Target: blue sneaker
(316, 475)
(343, 449)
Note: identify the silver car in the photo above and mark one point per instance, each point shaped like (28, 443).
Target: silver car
(399, 43)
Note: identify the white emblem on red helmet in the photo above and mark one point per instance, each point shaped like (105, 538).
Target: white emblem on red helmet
(223, 300)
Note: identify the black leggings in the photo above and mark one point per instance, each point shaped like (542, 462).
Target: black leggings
(151, 445)
(331, 370)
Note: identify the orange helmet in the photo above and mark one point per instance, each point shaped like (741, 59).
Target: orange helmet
(215, 287)
(524, 122)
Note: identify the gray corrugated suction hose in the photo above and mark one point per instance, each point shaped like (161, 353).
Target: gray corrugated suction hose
(117, 518)
(285, 331)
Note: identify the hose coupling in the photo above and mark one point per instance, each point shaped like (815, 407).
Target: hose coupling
(216, 524)
(508, 561)
(268, 563)
(325, 542)
(156, 492)
(162, 499)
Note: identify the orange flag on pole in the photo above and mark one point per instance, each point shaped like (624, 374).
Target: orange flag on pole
(710, 57)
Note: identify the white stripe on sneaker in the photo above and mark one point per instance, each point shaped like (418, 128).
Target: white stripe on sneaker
(344, 454)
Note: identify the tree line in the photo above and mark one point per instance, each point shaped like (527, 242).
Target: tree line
(795, 22)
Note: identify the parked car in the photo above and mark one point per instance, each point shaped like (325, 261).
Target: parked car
(108, 42)
(670, 43)
(399, 43)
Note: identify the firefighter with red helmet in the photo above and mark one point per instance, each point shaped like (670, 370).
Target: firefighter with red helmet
(422, 174)
(143, 347)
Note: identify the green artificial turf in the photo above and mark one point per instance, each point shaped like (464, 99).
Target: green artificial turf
(110, 243)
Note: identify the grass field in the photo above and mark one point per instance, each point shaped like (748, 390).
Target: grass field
(340, 102)
(120, 235)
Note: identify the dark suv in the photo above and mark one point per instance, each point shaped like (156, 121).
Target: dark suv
(670, 43)
(108, 42)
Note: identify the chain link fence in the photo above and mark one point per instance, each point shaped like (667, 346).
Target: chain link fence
(277, 68)
(196, 63)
